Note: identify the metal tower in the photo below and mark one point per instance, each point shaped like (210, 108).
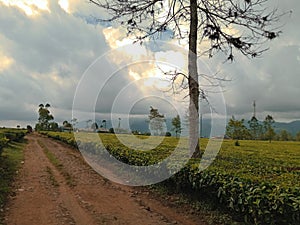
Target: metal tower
(254, 109)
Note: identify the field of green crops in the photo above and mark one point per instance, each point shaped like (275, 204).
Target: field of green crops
(8, 135)
(258, 180)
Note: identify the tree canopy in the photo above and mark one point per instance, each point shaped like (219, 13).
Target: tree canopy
(44, 118)
(156, 123)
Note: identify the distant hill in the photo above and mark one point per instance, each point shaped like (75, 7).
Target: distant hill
(292, 127)
(141, 124)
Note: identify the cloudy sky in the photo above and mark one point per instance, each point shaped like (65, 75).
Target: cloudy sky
(54, 52)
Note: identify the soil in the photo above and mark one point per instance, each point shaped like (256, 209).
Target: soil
(73, 193)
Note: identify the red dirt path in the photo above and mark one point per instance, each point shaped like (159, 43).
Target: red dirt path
(75, 194)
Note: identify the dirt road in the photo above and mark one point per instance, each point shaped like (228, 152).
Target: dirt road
(66, 190)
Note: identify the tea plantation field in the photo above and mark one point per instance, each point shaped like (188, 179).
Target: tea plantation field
(258, 180)
(9, 135)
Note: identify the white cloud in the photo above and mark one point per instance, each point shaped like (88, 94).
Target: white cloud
(43, 58)
(6, 62)
(30, 7)
(45, 51)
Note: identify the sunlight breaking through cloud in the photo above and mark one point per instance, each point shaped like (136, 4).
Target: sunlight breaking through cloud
(30, 7)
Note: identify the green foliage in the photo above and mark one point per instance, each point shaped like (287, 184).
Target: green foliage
(255, 129)
(3, 143)
(284, 135)
(257, 203)
(10, 134)
(156, 122)
(44, 119)
(237, 143)
(269, 129)
(176, 123)
(61, 136)
(298, 136)
(168, 134)
(259, 181)
(237, 130)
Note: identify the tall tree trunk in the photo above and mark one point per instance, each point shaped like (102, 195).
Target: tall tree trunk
(193, 83)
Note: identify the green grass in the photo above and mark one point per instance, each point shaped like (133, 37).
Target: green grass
(52, 179)
(10, 162)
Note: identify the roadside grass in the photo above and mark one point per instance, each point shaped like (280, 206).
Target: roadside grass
(52, 179)
(55, 162)
(10, 162)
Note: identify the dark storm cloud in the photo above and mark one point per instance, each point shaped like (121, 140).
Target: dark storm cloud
(51, 51)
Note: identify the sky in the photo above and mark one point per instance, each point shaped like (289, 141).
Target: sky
(54, 52)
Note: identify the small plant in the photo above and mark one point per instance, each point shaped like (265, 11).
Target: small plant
(237, 143)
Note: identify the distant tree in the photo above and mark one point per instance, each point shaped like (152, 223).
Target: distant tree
(67, 126)
(156, 123)
(135, 132)
(291, 137)
(53, 126)
(255, 128)
(168, 134)
(269, 132)
(111, 130)
(18, 126)
(94, 126)
(44, 117)
(87, 123)
(104, 123)
(236, 129)
(29, 129)
(285, 136)
(297, 138)
(176, 123)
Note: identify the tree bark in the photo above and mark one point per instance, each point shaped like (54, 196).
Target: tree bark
(193, 83)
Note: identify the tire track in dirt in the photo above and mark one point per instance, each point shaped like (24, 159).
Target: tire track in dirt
(44, 197)
(38, 201)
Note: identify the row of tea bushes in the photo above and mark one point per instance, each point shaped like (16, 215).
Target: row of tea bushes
(256, 202)
(9, 135)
